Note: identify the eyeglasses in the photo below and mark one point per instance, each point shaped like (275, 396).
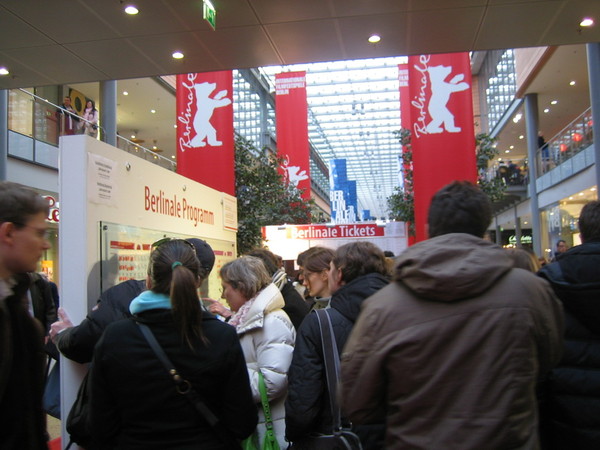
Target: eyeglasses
(160, 242)
(43, 233)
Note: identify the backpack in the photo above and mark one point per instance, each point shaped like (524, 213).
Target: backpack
(77, 420)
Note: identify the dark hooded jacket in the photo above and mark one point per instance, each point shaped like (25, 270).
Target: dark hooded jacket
(448, 355)
(571, 402)
(307, 407)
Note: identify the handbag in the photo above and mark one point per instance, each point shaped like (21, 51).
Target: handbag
(340, 438)
(186, 389)
(270, 442)
(51, 399)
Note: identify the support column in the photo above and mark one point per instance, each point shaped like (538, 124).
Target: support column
(517, 230)
(532, 128)
(593, 63)
(3, 133)
(108, 112)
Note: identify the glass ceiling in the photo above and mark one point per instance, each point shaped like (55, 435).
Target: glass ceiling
(354, 108)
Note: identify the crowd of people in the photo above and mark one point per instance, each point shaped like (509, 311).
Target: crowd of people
(461, 344)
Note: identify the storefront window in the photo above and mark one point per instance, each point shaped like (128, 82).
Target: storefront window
(20, 112)
(559, 221)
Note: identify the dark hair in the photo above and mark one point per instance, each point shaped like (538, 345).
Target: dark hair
(247, 274)
(93, 105)
(589, 222)
(523, 259)
(19, 203)
(174, 271)
(359, 258)
(459, 207)
(268, 258)
(559, 241)
(318, 259)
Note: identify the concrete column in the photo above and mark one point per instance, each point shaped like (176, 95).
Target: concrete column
(517, 230)
(532, 128)
(593, 63)
(108, 111)
(3, 133)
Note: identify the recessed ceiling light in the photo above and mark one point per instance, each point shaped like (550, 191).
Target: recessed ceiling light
(175, 126)
(570, 198)
(131, 10)
(521, 137)
(572, 83)
(593, 189)
(133, 136)
(511, 147)
(153, 111)
(374, 39)
(506, 151)
(177, 55)
(525, 223)
(581, 193)
(173, 156)
(4, 71)
(154, 147)
(125, 93)
(586, 22)
(546, 110)
(554, 102)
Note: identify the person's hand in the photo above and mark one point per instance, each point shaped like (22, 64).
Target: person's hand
(61, 324)
(216, 307)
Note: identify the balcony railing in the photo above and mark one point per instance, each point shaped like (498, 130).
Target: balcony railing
(511, 172)
(31, 116)
(572, 139)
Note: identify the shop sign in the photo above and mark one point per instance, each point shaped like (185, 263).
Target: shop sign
(524, 240)
(53, 214)
(333, 232)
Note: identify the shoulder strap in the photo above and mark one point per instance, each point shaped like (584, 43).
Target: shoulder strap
(332, 364)
(183, 386)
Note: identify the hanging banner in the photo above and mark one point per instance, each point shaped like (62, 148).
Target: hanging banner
(442, 132)
(205, 142)
(291, 114)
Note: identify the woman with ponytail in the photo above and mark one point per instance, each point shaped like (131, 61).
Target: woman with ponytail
(134, 403)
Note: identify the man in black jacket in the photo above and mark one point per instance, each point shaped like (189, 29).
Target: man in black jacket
(570, 404)
(23, 241)
(77, 342)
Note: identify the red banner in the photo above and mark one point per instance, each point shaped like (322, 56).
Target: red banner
(443, 137)
(205, 144)
(291, 114)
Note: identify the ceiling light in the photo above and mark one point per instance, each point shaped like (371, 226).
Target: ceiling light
(154, 147)
(4, 71)
(153, 111)
(547, 110)
(511, 147)
(173, 156)
(525, 223)
(175, 126)
(521, 137)
(177, 55)
(506, 151)
(133, 136)
(131, 10)
(572, 83)
(374, 39)
(125, 93)
(554, 102)
(586, 22)
(570, 198)
(593, 189)
(581, 193)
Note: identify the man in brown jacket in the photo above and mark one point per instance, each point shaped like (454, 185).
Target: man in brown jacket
(450, 353)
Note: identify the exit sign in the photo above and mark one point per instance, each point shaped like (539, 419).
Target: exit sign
(209, 13)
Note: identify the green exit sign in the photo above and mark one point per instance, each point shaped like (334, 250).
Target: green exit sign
(209, 13)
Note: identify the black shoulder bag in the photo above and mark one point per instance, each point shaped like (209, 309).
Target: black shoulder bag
(340, 438)
(186, 389)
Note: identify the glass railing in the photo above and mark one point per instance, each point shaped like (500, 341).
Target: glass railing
(30, 116)
(572, 139)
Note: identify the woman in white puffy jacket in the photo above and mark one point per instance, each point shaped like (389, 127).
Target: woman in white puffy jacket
(266, 334)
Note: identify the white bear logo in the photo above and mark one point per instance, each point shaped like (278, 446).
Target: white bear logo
(440, 94)
(205, 106)
(293, 173)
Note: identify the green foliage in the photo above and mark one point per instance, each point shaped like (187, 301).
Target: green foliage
(401, 203)
(263, 196)
(486, 152)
